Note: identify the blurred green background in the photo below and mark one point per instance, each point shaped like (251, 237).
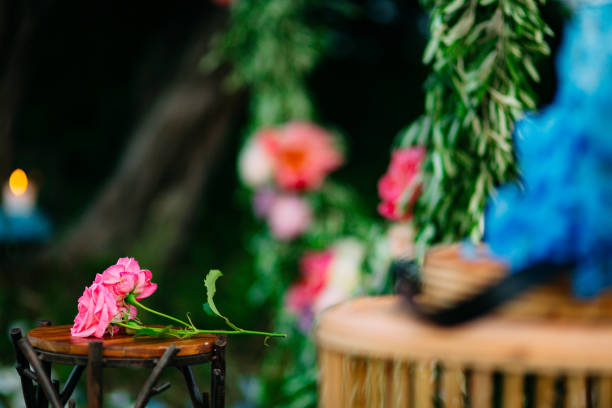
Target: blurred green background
(81, 82)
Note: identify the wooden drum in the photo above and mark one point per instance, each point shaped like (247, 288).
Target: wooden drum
(374, 353)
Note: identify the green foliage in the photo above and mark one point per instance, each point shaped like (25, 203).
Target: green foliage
(272, 46)
(289, 375)
(209, 284)
(482, 54)
(338, 213)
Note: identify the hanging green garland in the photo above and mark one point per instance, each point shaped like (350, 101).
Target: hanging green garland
(285, 166)
(272, 47)
(482, 54)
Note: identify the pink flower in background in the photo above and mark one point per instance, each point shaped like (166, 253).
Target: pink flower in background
(289, 217)
(401, 185)
(97, 307)
(263, 200)
(126, 277)
(303, 154)
(314, 267)
(328, 277)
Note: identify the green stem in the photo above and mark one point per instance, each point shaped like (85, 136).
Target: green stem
(199, 331)
(131, 298)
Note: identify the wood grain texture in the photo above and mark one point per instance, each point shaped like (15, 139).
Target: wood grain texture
(354, 373)
(604, 392)
(57, 339)
(376, 383)
(545, 391)
(331, 392)
(576, 391)
(452, 379)
(513, 394)
(401, 392)
(423, 385)
(481, 389)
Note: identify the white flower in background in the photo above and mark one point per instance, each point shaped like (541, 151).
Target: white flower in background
(401, 240)
(9, 381)
(289, 217)
(10, 387)
(255, 166)
(328, 297)
(344, 275)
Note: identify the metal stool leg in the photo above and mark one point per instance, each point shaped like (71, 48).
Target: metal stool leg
(27, 385)
(40, 395)
(148, 388)
(198, 400)
(94, 375)
(41, 375)
(71, 383)
(217, 375)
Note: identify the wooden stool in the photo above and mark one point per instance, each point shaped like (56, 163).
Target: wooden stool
(54, 344)
(374, 353)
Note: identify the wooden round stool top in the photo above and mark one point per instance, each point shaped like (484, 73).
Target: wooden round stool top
(383, 327)
(57, 339)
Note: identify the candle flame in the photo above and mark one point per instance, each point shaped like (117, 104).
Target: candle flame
(18, 182)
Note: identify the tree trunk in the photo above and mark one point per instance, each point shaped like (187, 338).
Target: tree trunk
(157, 185)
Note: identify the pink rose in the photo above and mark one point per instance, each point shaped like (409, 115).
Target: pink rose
(97, 308)
(315, 270)
(401, 185)
(289, 216)
(125, 277)
(303, 155)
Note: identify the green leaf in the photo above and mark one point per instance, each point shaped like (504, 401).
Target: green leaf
(207, 309)
(430, 50)
(511, 101)
(461, 28)
(533, 73)
(147, 331)
(209, 283)
(156, 332)
(453, 6)
(211, 289)
(487, 67)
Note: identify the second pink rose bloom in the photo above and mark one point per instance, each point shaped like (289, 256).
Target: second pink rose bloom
(125, 277)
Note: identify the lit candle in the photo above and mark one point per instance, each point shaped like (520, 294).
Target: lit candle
(19, 195)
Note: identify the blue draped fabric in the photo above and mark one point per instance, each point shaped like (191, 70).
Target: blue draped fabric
(562, 211)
